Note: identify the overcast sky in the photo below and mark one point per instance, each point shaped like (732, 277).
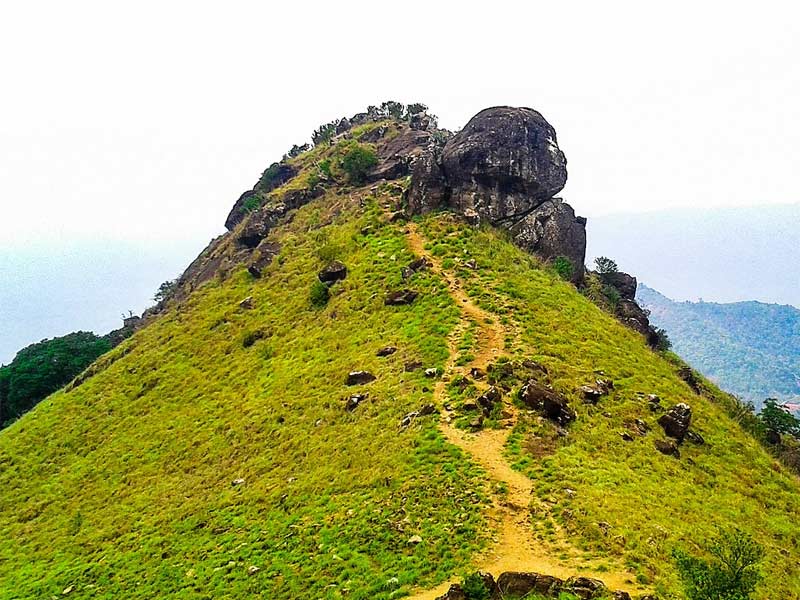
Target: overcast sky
(144, 121)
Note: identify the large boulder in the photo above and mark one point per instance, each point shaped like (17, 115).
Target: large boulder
(281, 173)
(546, 401)
(504, 163)
(514, 584)
(552, 230)
(504, 168)
(622, 282)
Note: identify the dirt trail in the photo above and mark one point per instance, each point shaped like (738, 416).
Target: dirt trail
(514, 547)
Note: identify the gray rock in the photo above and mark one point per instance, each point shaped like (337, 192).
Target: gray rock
(622, 282)
(668, 447)
(514, 584)
(676, 421)
(333, 272)
(359, 377)
(551, 405)
(400, 297)
(386, 351)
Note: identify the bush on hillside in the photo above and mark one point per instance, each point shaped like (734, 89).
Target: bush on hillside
(605, 265)
(731, 574)
(563, 266)
(41, 369)
(778, 419)
(663, 343)
(319, 295)
(165, 290)
(357, 161)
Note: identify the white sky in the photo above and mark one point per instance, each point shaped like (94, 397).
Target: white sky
(144, 121)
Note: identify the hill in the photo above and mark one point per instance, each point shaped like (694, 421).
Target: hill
(446, 402)
(723, 254)
(752, 349)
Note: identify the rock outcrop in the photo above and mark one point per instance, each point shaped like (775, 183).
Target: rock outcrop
(504, 168)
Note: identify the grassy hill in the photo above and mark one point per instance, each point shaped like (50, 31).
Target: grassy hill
(752, 349)
(212, 455)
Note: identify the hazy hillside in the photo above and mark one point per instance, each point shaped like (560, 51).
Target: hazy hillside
(346, 399)
(720, 255)
(751, 349)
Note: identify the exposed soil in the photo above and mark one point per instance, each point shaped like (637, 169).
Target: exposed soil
(514, 546)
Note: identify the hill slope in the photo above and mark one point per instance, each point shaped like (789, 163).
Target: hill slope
(220, 453)
(750, 348)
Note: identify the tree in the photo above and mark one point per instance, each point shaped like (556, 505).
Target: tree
(731, 574)
(357, 161)
(42, 368)
(298, 150)
(776, 418)
(662, 341)
(605, 265)
(165, 290)
(324, 133)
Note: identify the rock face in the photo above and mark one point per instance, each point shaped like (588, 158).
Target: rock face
(676, 421)
(504, 168)
(625, 284)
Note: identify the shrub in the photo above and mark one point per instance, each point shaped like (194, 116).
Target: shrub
(269, 175)
(298, 150)
(324, 167)
(612, 295)
(605, 265)
(165, 290)
(731, 574)
(252, 203)
(474, 587)
(357, 161)
(319, 295)
(563, 266)
(778, 419)
(663, 343)
(324, 133)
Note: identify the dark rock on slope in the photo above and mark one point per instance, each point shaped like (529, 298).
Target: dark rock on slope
(504, 168)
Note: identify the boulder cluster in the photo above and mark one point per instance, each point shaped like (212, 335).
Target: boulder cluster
(504, 168)
(517, 584)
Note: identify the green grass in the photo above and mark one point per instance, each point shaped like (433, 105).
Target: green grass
(652, 502)
(122, 487)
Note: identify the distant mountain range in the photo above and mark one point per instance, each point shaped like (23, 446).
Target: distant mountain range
(750, 349)
(720, 255)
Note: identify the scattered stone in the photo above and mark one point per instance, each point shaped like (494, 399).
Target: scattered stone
(354, 401)
(415, 539)
(333, 272)
(532, 365)
(570, 492)
(585, 588)
(691, 379)
(239, 481)
(252, 570)
(247, 303)
(412, 365)
(550, 404)
(514, 584)
(695, 437)
(668, 447)
(621, 595)
(469, 405)
(477, 373)
(477, 422)
(455, 592)
(67, 590)
(626, 436)
(488, 400)
(386, 351)
(676, 421)
(427, 409)
(432, 372)
(591, 394)
(400, 297)
(471, 264)
(359, 377)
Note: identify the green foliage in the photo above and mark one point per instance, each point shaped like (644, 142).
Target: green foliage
(252, 203)
(165, 290)
(40, 369)
(319, 295)
(268, 176)
(663, 343)
(357, 161)
(325, 168)
(731, 574)
(146, 450)
(751, 349)
(564, 267)
(324, 133)
(778, 419)
(474, 587)
(296, 150)
(612, 295)
(605, 265)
